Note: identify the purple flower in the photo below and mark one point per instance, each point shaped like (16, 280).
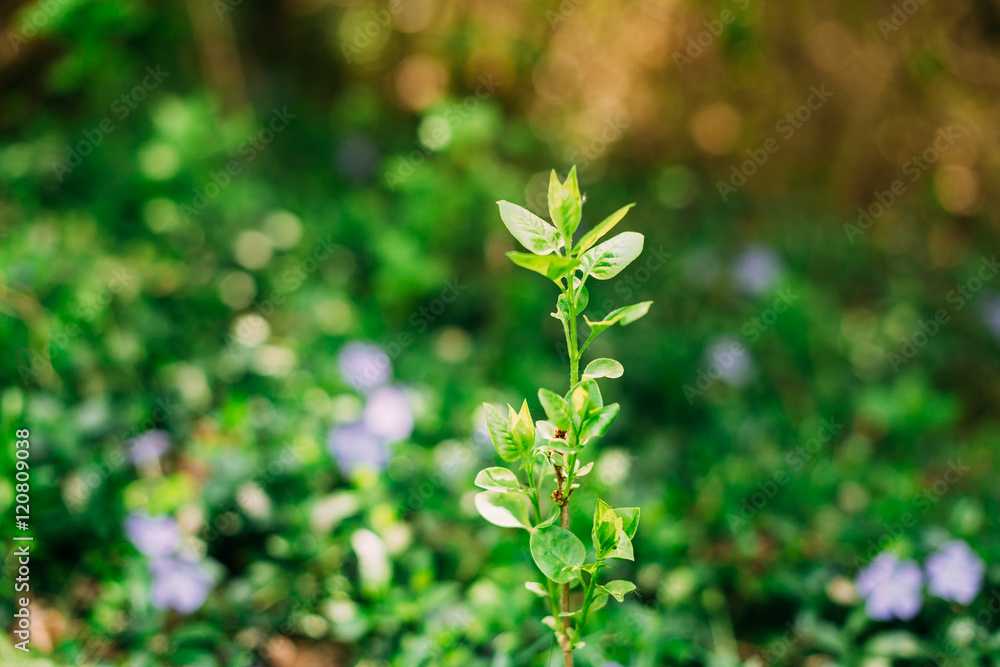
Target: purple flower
(153, 536)
(955, 572)
(728, 360)
(179, 584)
(354, 446)
(148, 447)
(991, 315)
(387, 414)
(364, 366)
(757, 270)
(891, 588)
(357, 158)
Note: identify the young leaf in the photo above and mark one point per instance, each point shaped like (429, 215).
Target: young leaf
(582, 295)
(625, 315)
(608, 259)
(602, 228)
(607, 526)
(552, 267)
(583, 470)
(534, 233)
(603, 368)
(564, 203)
(618, 588)
(585, 397)
(497, 479)
(600, 600)
(556, 408)
(624, 548)
(556, 551)
(597, 424)
(507, 510)
(522, 429)
(630, 519)
(536, 588)
(499, 428)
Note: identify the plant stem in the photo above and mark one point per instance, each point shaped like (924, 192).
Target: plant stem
(564, 483)
(567, 647)
(572, 342)
(589, 597)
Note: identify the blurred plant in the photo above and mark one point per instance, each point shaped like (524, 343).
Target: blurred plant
(179, 581)
(574, 419)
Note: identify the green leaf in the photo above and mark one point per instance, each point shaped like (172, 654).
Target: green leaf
(600, 600)
(582, 295)
(503, 439)
(552, 267)
(598, 423)
(534, 233)
(522, 429)
(608, 259)
(625, 315)
(607, 526)
(583, 470)
(603, 368)
(507, 510)
(556, 408)
(618, 588)
(564, 203)
(624, 548)
(582, 299)
(585, 397)
(497, 479)
(555, 551)
(602, 228)
(536, 588)
(630, 519)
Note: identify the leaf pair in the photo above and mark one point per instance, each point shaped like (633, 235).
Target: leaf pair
(513, 435)
(503, 503)
(545, 240)
(624, 316)
(613, 531)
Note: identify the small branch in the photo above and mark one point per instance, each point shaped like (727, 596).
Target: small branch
(561, 498)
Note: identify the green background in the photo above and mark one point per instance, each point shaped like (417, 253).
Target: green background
(124, 284)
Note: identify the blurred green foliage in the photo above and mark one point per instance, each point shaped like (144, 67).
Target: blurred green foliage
(170, 259)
